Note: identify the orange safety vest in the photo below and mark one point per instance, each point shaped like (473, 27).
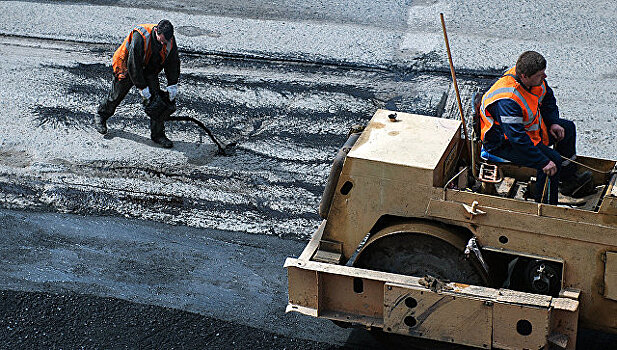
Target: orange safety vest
(122, 53)
(507, 87)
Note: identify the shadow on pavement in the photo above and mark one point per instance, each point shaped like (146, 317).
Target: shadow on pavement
(113, 133)
(196, 153)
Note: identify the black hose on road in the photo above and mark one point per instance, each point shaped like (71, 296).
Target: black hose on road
(160, 107)
(222, 148)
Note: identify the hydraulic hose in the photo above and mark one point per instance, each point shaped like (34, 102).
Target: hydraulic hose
(221, 148)
(335, 172)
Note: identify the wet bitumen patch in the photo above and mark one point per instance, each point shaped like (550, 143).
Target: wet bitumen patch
(84, 71)
(61, 118)
(35, 320)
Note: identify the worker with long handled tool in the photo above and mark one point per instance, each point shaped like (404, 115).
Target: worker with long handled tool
(146, 51)
(520, 120)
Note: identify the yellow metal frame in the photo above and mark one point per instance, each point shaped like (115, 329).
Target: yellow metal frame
(458, 313)
(397, 174)
(405, 189)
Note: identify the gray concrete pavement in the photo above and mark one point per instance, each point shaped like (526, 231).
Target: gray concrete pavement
(576, 37)
(224, 275)
(290, 39)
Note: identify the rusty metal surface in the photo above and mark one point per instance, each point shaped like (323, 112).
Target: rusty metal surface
(422, 313)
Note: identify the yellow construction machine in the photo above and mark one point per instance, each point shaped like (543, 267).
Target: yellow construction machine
(419, 238)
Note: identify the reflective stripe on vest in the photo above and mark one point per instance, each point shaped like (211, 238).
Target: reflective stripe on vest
(147, 37)
(507, 87)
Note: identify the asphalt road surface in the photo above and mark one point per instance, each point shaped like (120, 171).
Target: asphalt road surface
(113, 242)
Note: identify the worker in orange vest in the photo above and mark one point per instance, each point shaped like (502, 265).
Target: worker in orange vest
(519, 120)
(146, 51)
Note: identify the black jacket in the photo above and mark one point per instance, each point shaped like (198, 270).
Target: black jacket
(135, 63)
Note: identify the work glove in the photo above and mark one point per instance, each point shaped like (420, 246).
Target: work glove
(173, 92)
(145, 93)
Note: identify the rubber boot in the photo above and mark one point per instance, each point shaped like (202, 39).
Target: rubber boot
(100, 124)
(157, 133)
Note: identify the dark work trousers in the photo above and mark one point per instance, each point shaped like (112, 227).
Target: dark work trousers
(565, 170)
(119, 89)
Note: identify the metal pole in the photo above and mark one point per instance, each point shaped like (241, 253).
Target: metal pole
(544, 190)
(458, 96)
